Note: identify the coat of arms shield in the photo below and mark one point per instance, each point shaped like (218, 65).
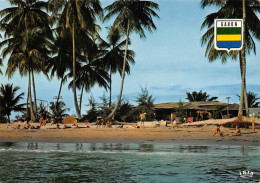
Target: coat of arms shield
(228, 34)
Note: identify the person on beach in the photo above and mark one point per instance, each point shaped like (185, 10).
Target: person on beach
(109, 124)
(237, 133)
(217, 131)
(172, 118)
(17, 127)
(27, 126)
(142, 119)
(98, 122)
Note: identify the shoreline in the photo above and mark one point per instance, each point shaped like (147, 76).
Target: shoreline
(129, 134)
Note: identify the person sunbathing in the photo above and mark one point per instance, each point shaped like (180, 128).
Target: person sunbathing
(17, 127)
(27, 126)
(65, 126)
(35, 127)
(217, 131)
(57, 127)
(75, 126)
(237, 133)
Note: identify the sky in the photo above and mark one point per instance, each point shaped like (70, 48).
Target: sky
(169, 62)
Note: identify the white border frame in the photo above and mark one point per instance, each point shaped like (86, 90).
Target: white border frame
(215, 35)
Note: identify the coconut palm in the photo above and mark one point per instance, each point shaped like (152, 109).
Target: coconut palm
(1, 61)
(9, 101)
(90, 73)
(199, 96)
(20, 22)
(114, 57)
(252, 99)
(233, 9)
(78, 17)
(27, 61)
(131, 16)
(58, 110)
(61, 63)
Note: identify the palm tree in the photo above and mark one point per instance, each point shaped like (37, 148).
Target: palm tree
(131, 16)
(199, 96)
(114, 57)
(20, 22)
(90, 72)
(27, 61)
(58, 110)
(78, 17)
(61, 63)
(252, 99)
(8, 100)
(1, 61)
(233, 9)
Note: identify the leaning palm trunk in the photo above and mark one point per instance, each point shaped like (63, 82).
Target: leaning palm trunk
(34, 94)
(74, 73)
(30, 96)
(58, 97)
(122, 75)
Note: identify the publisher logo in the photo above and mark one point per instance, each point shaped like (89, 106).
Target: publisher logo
(246, 174)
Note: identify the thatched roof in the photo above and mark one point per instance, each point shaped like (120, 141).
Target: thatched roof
(196, 105)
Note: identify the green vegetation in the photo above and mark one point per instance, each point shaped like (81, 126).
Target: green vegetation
(199, 96)
(233, 9)
(58, 110)
(9, 101)
(252, 99)
(145, 104)
(131, 16)
(60, 38)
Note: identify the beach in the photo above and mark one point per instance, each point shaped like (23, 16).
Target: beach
(192, 135)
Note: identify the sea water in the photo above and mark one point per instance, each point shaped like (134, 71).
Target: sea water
(86, 162)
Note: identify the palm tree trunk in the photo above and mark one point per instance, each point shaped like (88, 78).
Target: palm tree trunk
(74, 73)
(59, 90)
(27, 108)
(122, 75)
(241, 105)
(34, 94)
(243, 100)
(30, 96)
(110, 87)
(80, 100)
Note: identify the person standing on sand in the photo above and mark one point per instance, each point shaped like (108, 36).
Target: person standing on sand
(142, 119)
(172, 119)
